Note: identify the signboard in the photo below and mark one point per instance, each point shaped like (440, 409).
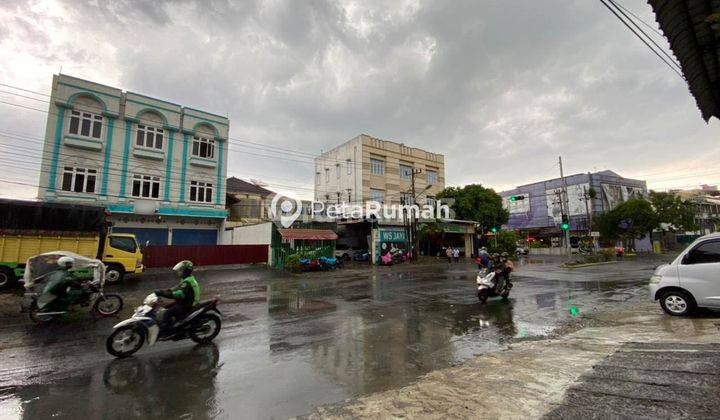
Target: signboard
(575, 200)
(595, 234)
(451, 228)
(393, 236)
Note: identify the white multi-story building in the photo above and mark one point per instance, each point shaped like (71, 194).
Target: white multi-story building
(371, 169)
(158, 167)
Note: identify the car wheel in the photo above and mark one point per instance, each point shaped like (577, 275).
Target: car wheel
(677, 303)
(114, 273)
(7, 277)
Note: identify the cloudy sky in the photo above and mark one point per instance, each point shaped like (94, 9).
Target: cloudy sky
(501, 88)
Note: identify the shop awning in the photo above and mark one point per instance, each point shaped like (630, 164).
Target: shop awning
(309, 234)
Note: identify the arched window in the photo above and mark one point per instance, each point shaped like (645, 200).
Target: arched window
(150, 134)
(204, 143)
(86, 118)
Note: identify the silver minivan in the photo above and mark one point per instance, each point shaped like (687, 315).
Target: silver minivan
(692, 280)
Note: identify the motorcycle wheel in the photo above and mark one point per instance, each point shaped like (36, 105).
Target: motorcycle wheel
(37, 317)
(205, 328)
(483, 296)
(108, 305)
(125, 341)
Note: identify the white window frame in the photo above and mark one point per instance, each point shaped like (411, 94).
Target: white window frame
(210, 148)
(374, 195)
(377, 166)
(207, 188)
(317, 178)
(94, 120)
(149, 134)
(75, 172)
(430, 201)
(349, 166)
(327, 175)
(337, 170)
(406, 172)
(146, 180)
(434, 179)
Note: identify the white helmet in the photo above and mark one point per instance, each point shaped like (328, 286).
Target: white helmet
(66, 262)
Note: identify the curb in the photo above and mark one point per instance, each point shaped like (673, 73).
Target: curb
(587, 264)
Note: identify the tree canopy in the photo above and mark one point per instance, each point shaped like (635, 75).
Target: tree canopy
(672, 210)
(477, 203)
(630, 219)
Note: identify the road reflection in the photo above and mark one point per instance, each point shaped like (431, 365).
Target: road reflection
(176, 383)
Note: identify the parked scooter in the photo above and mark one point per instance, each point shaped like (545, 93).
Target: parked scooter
(46, 304)
(201, 326)
(487, 287)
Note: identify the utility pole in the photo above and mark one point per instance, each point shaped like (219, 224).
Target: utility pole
(566, 207)
(406, 227)
(413, 222)
(587, 209)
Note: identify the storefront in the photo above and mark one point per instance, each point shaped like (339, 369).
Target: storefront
(388, 239)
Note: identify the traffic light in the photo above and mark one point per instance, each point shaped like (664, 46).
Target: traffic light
(517, 197)
(565, 222)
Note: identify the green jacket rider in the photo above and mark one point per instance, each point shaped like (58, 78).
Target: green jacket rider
(62, 282)
(186, 294)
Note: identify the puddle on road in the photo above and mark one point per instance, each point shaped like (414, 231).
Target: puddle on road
(314, 342)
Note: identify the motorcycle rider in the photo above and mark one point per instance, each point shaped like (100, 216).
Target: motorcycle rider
(483, 259)
(499, 267)
(186, 294)
(62, 283)
(508, 266)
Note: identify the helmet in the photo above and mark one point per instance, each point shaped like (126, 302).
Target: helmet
(183, 268)
(66, 262)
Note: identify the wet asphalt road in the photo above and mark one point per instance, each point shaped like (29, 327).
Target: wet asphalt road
(290, 343)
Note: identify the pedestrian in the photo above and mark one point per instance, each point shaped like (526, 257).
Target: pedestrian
(456, 254)
(449, 254)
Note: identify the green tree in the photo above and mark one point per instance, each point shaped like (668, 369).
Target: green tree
(629, 220)
(506, 242)
(679, 215)
(477, 203)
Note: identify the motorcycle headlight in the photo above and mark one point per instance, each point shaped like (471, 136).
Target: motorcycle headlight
(655, 279)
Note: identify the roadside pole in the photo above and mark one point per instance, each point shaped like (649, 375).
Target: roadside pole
(564, 200)
(413, 221)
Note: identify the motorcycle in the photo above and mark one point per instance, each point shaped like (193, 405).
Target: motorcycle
(202, 325)
(329, 263)
(487, 287)
(45, 306)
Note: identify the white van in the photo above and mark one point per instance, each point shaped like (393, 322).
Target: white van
(692, 280)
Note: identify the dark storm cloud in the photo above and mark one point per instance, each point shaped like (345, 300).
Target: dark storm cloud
(501, 88)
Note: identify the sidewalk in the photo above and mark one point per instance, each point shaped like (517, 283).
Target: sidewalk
(603, 368)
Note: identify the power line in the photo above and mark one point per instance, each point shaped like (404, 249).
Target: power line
(617, 4)
(641, 39)
(672, 59)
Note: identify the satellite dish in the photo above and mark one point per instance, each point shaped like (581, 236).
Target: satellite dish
(145, 207)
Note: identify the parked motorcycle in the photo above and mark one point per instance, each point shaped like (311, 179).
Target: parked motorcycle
(201, 326)
(45, 306)
(329, 263)
(487, 288)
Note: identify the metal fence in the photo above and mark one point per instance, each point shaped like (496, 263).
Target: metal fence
(155, 256)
